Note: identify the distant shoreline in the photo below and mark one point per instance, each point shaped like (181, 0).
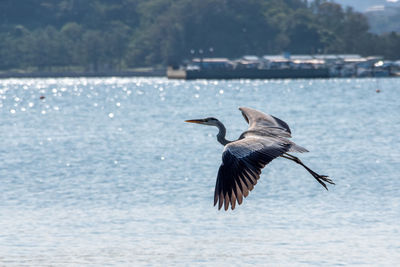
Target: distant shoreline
(75, 74)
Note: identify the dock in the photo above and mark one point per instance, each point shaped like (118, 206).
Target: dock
(248, 74)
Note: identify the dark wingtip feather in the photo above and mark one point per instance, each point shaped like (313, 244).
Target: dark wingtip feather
(226, 202)
(215, 196)
(233, 200)
(239, 197)
(220, 202)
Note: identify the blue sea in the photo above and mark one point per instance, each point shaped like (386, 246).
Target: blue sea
(104, 171)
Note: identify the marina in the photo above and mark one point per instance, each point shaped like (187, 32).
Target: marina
(285, 66)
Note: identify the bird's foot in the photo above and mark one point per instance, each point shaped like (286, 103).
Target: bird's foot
(323, 178)
(326, 179)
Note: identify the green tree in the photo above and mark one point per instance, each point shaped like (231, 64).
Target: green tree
(71, 34)
(303, 33)
(111, 35)
(116, 41)
(93, 50)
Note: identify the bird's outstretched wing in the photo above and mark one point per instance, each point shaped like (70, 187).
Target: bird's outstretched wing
(241, 166)
(264, 124)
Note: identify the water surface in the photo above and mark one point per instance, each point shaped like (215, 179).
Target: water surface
(105, 172)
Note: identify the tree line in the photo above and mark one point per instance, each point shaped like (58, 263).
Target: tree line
(98, 35)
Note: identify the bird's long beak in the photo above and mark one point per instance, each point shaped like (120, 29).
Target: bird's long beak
(201, 121)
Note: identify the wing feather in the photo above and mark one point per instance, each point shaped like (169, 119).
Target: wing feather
(241, 166)
(265, 124)
(239, 195)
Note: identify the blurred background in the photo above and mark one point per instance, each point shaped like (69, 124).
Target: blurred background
(99, 35)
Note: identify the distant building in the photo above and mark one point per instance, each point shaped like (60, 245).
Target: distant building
(211, 63)
(341, 65)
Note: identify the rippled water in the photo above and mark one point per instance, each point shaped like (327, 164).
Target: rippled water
(105, 172)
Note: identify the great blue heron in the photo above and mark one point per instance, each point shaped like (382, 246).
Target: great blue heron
(242, 160)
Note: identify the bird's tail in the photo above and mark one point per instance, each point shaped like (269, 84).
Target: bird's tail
(297, 148)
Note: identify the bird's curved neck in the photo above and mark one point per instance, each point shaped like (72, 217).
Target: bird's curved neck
(221, 134)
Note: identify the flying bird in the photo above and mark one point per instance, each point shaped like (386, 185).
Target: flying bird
(242, 159)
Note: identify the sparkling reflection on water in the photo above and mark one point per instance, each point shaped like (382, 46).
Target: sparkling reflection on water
(104, 171)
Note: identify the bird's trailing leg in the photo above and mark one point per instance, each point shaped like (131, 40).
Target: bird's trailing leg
(320, 178)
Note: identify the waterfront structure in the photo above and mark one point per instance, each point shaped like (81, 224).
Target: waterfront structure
(286, 66)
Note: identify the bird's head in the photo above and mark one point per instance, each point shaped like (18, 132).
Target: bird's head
(207, 121)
